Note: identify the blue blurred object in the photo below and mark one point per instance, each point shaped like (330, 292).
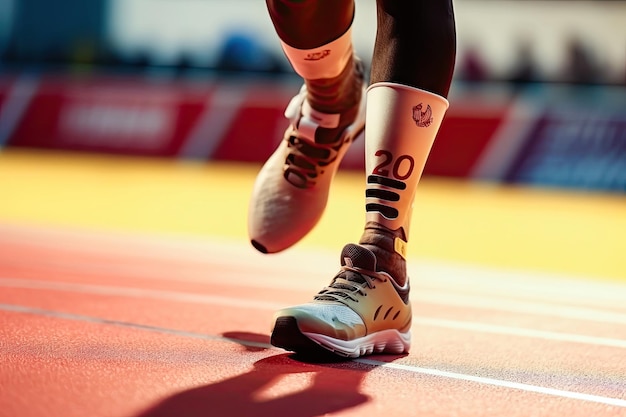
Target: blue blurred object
(579, 141)
(241, 51)
(45, 31)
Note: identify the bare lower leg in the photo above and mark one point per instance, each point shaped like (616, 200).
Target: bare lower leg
(415, 44)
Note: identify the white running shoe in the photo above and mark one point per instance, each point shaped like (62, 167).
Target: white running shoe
(291, 190)
(362, 311)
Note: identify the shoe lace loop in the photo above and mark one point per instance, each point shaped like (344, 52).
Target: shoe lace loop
(307, 160)
(349, 283)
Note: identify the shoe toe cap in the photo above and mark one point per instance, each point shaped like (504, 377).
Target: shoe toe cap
(279, 217)
(333, 319)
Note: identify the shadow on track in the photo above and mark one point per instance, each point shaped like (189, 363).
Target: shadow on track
(319, 388)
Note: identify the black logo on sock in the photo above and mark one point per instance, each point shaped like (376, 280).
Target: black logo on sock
(422, 118)
(316, 56)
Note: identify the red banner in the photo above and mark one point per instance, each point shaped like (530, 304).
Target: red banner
(213, 120)
(108, 116)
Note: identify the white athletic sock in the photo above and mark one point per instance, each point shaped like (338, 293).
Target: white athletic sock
(401, 125)
(325, 61)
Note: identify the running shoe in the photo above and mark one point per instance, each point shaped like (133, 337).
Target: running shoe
(362, 311)
(291, 190)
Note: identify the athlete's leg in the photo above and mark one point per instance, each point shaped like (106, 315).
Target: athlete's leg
(366, 307)
(316, 38)
(291, 190)
(415, 44)
(411, 74)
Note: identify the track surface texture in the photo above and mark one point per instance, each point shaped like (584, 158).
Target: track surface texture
(142, 297)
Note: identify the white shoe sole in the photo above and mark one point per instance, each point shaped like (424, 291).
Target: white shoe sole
(386, 341)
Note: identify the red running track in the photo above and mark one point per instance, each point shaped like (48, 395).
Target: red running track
(95, 324)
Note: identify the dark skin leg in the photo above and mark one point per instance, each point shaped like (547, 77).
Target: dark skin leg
(415, 44)
(307, 24)
(415, 39)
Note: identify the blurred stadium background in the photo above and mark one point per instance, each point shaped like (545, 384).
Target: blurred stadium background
(96, 95)
(538, 95)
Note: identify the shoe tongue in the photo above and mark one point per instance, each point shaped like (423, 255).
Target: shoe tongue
(358, 256)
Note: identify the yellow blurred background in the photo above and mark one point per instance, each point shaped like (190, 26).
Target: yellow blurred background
(518, 61)
(579, 234)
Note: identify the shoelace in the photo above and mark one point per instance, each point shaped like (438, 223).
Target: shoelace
(306, 158)
(348, 283)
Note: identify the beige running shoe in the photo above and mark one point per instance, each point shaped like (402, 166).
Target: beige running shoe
(361, 312)
(291, 190)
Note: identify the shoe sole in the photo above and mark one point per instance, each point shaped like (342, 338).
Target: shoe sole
(287, 335)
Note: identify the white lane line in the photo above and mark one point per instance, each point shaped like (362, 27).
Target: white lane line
(535, 285)
(618, 402)
(535, 308)
(139, 293)
(157, 329)
(487, 300)
(139, 269)
(196, 271)
(263, 305)
(431, 277)
(439, 276)
(519, 331)
(422, 297)
(409, 368)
